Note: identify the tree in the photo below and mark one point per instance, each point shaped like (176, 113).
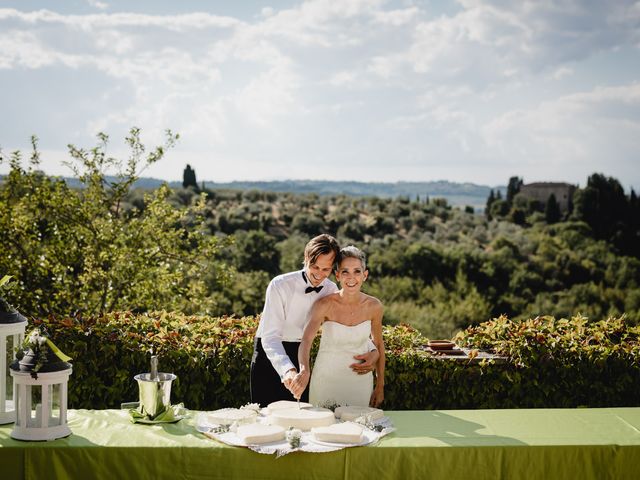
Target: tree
(487, 208)
(603, 205)
(189, 178)
(552, 210)
(513, 188)
(255, 250)
(78, 250)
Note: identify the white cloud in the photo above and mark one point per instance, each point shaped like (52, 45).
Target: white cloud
(179, 23)
(396, 18)
(585, 128)
(97, 4)
(490, 80)
(560, 73)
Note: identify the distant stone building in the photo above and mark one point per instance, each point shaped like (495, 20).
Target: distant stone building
(541, 191)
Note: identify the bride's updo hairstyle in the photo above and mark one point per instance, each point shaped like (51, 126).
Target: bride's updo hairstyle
(353, 252)
(321, 245)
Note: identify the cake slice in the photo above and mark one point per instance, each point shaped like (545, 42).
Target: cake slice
(257, 433)
(226, 416)
(351, 412)
(347, 432)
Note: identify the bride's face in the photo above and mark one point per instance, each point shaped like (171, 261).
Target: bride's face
(350, 274)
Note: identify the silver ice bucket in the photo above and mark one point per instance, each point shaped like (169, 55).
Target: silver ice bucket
(155, 393)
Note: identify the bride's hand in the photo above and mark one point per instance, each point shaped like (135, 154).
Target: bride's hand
(299, 383)
(377, 397)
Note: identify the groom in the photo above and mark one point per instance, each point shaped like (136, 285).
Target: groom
(288, 301)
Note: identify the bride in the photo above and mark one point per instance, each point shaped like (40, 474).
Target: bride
(349, 318)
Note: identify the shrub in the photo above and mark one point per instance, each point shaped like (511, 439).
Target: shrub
(551, 363)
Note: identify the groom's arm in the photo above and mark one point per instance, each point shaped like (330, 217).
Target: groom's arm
(301, 380)
(273, 319)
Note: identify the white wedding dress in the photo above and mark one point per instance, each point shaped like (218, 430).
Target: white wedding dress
(332, 381)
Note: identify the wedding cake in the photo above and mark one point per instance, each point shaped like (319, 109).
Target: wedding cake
(302, 418)
(347, 432)
(351, 412)
(257, 433)
(284, 404)
(226, 416)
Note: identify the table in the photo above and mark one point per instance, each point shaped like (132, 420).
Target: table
(445, 444)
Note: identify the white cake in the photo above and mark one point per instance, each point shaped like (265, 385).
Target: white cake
(351, 412)
(347, 432)
(284, 404)
(226, 416)
(257, 433)
(303, 418)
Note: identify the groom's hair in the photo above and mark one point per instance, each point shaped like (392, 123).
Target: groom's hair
(321, 245)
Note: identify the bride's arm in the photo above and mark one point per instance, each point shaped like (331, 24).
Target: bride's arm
(301, 380)
(376, 332)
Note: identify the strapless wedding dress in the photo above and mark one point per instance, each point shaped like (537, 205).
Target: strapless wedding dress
(332, 381)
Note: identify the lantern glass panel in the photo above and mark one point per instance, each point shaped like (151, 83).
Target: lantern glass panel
(54, 402)
(11, 345)
(34, 405)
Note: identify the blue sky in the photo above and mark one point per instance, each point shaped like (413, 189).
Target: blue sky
(371, 90)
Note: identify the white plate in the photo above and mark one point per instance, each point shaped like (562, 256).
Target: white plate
(202, 425)
(230, 438)
(367, 437)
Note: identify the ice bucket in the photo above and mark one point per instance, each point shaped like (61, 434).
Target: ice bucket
(155, 392)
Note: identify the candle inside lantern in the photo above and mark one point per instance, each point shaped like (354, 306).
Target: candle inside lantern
(39, 414)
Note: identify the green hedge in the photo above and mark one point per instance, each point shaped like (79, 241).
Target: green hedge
(552, 363)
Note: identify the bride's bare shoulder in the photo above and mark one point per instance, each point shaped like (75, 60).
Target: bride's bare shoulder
(372, 302)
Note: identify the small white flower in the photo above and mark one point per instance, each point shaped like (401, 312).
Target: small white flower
(251, 406)
(293, 437)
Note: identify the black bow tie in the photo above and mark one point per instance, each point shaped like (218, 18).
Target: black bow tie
(313, 289)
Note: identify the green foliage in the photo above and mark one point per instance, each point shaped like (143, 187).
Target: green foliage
(105, 246)
(551, 363)
(515, 183)
(552, 210)
(4, 305)
(612, 216)
(81, 250)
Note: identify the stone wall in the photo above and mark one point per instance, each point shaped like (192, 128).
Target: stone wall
(541, 191)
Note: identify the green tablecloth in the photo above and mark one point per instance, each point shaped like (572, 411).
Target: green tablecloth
(454, 444)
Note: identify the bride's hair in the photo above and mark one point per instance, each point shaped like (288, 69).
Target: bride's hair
(354, 252)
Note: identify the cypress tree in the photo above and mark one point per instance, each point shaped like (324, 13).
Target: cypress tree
(189, 178)
(552, 210)
(490, 200)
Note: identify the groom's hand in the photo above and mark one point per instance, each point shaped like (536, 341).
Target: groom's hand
(366, 362)
(299, 383)
(288, 378)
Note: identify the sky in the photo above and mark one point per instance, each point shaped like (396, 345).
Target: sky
(366, 90)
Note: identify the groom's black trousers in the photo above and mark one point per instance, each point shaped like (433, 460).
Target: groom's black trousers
(266, 386)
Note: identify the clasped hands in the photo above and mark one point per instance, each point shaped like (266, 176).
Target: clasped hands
(296, 382)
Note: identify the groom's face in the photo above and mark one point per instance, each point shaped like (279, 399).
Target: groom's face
(321, 269)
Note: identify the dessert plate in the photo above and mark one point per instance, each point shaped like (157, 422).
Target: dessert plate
(203, 425)
(230, 438)
(367, 437)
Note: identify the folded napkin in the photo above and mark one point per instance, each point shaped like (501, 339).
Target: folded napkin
(172, 413)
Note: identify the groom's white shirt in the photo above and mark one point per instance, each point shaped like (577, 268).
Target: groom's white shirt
(285, 315)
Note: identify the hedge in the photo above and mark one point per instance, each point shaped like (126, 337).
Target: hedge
(551, 363)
